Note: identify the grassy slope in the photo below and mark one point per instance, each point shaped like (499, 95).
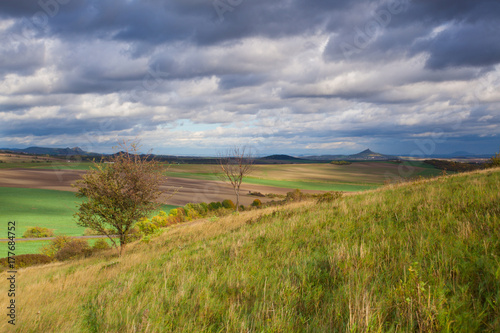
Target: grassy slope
(422, 256)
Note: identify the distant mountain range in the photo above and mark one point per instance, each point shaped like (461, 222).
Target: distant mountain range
(362, 156)
(76, 151)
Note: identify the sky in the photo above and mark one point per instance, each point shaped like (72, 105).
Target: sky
(299, 77)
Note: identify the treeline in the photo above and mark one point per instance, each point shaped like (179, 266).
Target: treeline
(341, 162)
(456, 166)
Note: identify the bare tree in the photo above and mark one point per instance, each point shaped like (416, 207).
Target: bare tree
(119, 193)
(235, 164)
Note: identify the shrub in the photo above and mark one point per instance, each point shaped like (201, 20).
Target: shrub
(26, 260)
(329, 197)
(295, 195)
(495, 160)
(100, 245)
(160, 220)
(56, 244)
(203, 207)
(73, 249)
(174, 220)
(228, 204)
(133, 235)
(146, 227)
(191, 211)
(214, 205)
(179, 211)
(38, 232)
(196, 210)
(257, 194)
(256, 203)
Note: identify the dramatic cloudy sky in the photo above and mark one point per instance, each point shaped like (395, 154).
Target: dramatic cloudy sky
(284, 76)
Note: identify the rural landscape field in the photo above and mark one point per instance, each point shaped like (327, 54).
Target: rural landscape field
(418, 254)
(249, 166)
(40, 193)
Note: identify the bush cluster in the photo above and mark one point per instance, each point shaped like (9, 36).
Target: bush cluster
(295, 195)
(456, 166)
(38, 232)
(64, 248)
(189, 212)
(328, 197)
(75, 248)
(26, 260)
(100, 245)
(256, 203)
(58, 243)
(340, 162)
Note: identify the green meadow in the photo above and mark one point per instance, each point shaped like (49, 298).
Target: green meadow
(43, 208)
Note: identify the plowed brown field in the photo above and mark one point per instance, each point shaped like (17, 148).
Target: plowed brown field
(188, 190)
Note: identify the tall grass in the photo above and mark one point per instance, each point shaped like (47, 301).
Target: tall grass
(415, 257)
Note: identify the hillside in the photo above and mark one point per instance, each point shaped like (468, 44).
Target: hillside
(420, 256)
(280, 159)
(49, 151)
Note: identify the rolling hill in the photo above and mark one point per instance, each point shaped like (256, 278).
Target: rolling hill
(365, 155)
(50, 151)
(421, 256)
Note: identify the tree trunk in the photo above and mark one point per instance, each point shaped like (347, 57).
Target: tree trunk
(122, 243)
(238, 200)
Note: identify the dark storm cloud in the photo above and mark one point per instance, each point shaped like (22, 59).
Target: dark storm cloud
(467, 45)
(61, 126)
(470, 35)
(284, 70)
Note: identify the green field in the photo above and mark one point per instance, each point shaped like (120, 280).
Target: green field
(357, 176)
(42, 208)
(310, 185)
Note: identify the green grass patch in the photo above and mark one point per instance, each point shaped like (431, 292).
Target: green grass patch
(36, 207)
(192, 175)
(46, 165)
(25, 247)
(310, 185)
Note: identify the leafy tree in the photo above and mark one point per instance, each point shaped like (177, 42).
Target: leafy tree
(119, 193)
(495, 160)
(235, 164)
